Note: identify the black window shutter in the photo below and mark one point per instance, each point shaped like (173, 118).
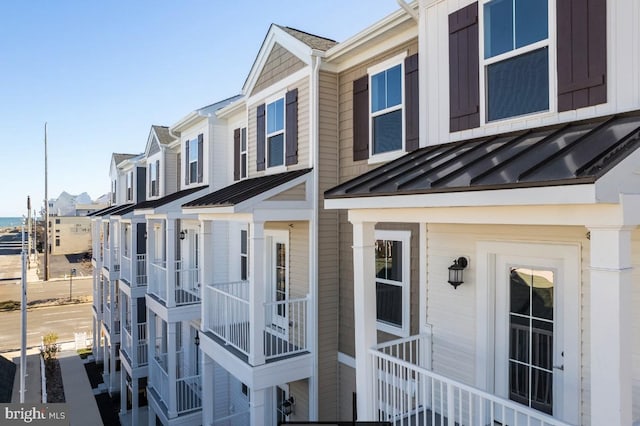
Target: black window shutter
(464, 73)
(260, 137)
(200, 156)
(411, 99)
(236, 154)
(157, 190)
(151, 194)
(582, 53)
(141, 182)
(361, 118)
(291, 130)
(141, 245)
(186, 164)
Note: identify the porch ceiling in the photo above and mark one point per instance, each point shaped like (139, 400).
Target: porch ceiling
(572, 153)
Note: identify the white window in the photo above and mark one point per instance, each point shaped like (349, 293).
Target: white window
(516, 62)
(393, 281)
(275, 133)
(129, 186)
(386, 101)
(153, 175)
(193, 160)
(243, 153)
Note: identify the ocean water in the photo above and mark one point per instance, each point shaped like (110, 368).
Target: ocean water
(10, 221)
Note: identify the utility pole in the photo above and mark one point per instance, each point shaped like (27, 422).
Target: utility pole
(46, 210)
(29, 231)
(23, 317)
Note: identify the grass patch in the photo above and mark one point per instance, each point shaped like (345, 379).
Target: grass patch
(84, 353)
(9, 305)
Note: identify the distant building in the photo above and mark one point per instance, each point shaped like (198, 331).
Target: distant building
(70, 234)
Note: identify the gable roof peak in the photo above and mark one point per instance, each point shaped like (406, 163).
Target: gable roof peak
(313, 41)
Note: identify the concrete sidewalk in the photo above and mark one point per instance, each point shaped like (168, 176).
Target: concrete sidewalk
(83, 408)
(33, 380)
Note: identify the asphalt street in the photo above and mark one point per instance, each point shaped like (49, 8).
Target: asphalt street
(64, 320)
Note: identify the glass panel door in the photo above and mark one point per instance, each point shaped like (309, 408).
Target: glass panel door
(531, 328)
(278, 311)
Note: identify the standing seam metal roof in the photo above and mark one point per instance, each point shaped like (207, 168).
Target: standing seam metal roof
(245, 189)
(564, 154)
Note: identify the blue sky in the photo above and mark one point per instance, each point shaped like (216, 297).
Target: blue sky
(101, 73)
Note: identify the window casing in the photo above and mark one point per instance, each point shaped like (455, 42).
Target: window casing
(386, 108)
(275, 143)
(244, 153)
(516, 58)
(193, 160)
(393, 281)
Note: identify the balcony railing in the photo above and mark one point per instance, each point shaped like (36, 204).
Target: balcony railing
(138, 356)
(405, 391)
(158, 279)
(188, 389)
(187, 283)
(286, 321)
(188, 394)
(125, 267)
(141, 270)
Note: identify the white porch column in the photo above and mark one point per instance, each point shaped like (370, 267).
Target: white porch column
(113, 385)
(123, 392)
(151, 419)
(135, 410)
(151, 346)
(257, 400)
(364, 290)
(170, 246)
(611, 325)
(207, 389)
(172, 410)
(207, 254)
(257, 288)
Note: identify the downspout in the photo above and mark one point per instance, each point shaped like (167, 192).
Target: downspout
(408, 9)
(313, 246)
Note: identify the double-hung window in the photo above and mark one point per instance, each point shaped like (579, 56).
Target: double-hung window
(275, 133)
(130, 186)
(192, 161)
(153, 173)
(516, 57)
(392, 257)
(386, 104)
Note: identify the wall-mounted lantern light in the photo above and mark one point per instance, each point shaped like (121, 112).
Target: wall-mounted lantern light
(455, 271)
(183, 234)
(287, 406)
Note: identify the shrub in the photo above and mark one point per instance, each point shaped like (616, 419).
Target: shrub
(50, 346)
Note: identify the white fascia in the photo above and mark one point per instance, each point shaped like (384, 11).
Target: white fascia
(189, 120)
(549, 195)
(231, 109)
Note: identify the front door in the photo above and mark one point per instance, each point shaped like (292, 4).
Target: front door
(530, 327)
(279, 273)
(529, 334)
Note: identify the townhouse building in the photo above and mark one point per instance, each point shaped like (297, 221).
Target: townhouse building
(434, 221)
(267, 331)
(492, 269)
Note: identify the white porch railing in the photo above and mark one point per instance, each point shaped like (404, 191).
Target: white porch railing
(187, 285)
(286, 321)
(125, 268)
(228, 307)
(159, 378)
(141, 270)
(406, 392)
(158, 279)
(188, 394)
(136, 351)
